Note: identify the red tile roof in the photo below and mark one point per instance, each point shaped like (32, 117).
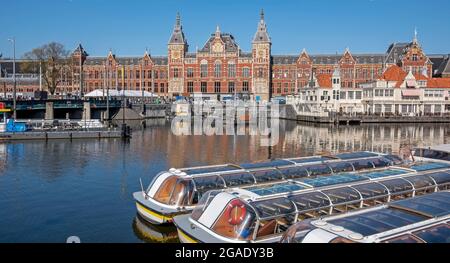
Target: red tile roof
(438, 83)
(394, 73)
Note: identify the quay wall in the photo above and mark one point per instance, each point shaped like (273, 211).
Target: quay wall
(288, 112)
(9, 136)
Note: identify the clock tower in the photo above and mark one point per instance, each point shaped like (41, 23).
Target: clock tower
(177, 49)
(261, 53)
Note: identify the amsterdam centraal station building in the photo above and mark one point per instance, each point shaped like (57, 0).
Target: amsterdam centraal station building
(221, 68)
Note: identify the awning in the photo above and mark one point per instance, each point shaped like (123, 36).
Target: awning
(411, 93)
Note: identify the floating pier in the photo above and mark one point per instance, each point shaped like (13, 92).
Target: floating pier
(54, 135)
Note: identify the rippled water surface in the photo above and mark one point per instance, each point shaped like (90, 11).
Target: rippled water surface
(52, 190)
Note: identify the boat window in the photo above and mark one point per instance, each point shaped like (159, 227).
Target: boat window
(238, 179)
(267, 209)
(427, 166)
(371, 190)
(404, 239)
(203, 204)
(165, 190)
(383, 173)
(237, 221)
(432, 154)
(276, 216)
(275, 189)
(380, 162)
(362, 164)
(434, 205)
(340, 167)
(270, 164)
(319, 169)
(310, 201)
(270, 175)
(294, 172)
(378, 221)
(342, 195)
(395, 160)
(332, 180)
(355, 155)
(182, 193)
(397, 185)
(435, 234)
(297, 232)
(311, 159)
(210, 169)
(421, 181)
(442, 179)
(206, 183)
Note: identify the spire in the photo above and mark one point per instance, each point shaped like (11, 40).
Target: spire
(261, 35)
(177, 34)
(217, 31)
(178, 23)
(415, 41)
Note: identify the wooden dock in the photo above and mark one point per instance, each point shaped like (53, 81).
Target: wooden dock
(55, 135)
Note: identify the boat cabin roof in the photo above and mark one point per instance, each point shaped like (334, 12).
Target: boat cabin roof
(443, 148)
(395, 222)
(293, 197)
(364, 157)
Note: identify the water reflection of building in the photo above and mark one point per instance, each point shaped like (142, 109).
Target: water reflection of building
(313, 139)
(300, 140)
(3, 155)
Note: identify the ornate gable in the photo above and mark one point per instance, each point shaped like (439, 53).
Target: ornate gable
(304, 58)
(347, 58)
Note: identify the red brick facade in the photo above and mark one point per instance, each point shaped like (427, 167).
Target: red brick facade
(220, 67)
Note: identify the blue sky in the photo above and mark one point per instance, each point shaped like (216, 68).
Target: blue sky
(128, 27)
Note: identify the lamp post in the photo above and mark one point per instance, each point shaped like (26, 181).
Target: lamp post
(13, 42)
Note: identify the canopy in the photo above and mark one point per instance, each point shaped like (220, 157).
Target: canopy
(119, 93)
(411, 93)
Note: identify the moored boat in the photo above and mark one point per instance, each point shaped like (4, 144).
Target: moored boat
(423, 219)
(178, 191)
(262, 214)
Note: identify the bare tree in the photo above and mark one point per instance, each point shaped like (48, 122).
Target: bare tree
(53, 58)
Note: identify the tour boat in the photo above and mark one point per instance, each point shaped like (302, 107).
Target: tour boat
(423, 219)
(178, 191)
(441, 153)
(261, 214)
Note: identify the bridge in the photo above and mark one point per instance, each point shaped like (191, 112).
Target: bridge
(78, 109)
(63, 109)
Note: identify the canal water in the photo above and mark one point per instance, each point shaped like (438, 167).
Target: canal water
(52, 190)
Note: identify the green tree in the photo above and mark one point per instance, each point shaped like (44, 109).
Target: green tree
(53, 58)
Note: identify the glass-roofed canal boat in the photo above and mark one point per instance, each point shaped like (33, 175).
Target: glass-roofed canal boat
(178, 191)
(423, 219)
(263, 213)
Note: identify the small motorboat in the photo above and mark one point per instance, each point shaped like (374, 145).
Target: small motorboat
(262, 214)
(178, 191)
(423, 219)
